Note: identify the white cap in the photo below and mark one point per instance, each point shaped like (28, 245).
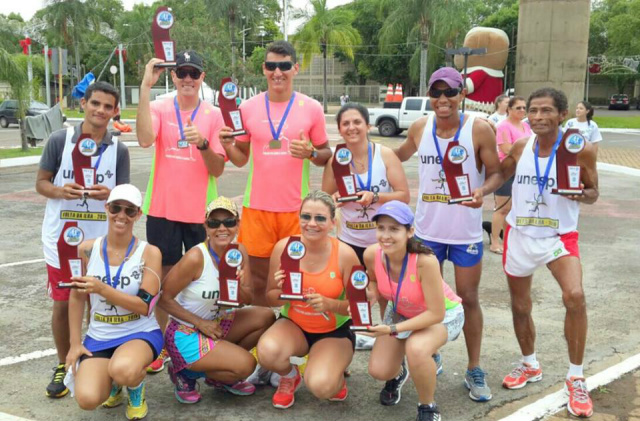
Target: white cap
(127, 192)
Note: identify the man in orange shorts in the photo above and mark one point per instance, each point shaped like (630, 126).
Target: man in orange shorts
(285, 130)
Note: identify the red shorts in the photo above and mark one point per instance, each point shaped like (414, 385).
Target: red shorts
(55, 277)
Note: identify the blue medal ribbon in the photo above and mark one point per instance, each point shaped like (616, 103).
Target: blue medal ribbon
(276, 134)
(455, 138)
(370, 163)
(213, 254)
(542, 182)
(102, 148)
(113, 283)
(179, 117)
(405, 260)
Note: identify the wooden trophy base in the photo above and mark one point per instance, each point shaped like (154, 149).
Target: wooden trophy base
(228, 303)
(460, 199)
(351, 198)
(238, 133)
(568, 192)
(166, 64)
(359, 328)
(292, 297)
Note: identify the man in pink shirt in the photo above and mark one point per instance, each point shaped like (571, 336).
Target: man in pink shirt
(187, 160)
(285, 131)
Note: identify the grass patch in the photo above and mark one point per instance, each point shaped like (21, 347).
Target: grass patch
(608, 122)
(126, 113)
(17, 152)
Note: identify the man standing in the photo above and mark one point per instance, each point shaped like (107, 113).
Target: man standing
(454, 232)
(69, 201)
(285, 130)
(187, 160)
(542, 230)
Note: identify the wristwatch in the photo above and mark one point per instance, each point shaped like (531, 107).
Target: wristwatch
(393, 329)
(314, 154)
(205, 145)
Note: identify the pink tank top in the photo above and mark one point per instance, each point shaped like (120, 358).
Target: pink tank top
(411, 300)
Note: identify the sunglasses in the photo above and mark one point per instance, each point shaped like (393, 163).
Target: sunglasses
(181, 73)
(306, 217)
(282, 65)
(228, 223)
(115, 209)
(449, 92)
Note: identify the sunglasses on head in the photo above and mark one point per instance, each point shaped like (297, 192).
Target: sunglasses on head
(183, 72)
(449, 92)
(282, 65)
(228, 223)
(306, 217)
(115, 209)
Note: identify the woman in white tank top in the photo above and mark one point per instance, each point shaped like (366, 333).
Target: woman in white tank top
(122, 284)
(203, 339)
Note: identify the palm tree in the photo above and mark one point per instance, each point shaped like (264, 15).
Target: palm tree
(15, 77)
(326, 31)
(416, 20)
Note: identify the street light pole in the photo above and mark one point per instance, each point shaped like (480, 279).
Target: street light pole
(466, 52)
(123, 100)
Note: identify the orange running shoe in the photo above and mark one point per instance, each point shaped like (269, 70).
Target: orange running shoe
(284, 396)
(521, 375)
(342, 394)
(580, 403)
(158, 364)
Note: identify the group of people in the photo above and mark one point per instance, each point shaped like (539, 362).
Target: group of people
(156, 303)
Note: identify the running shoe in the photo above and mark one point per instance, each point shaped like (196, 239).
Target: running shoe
(115, 397)
(137, 407)
(342, 394)
(260, 376)
(580, 403)
(521, 375)
(284, 396)
(479, 390)
(364, 343)
(392, 391)
(158, 364)
(56, 388)
(428, 413)
(274, 380)
(239, 388)
(185, 389)
(437, 358)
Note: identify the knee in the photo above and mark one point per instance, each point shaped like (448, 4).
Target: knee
(246, 366)
(469, 298)
(268, 351)
(574, 299)
(125, 373)
(418, 351)
(266, 317)
(320, 385)
(380, 371)
(87, 400)
(521, 307)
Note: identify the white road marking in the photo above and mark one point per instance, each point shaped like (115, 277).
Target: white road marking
(554, 402)
(23, 262)
(26, 357)
(618, 169)
(9, 417)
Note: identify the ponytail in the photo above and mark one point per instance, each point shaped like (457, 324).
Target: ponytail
(415, 246)
(590, 111)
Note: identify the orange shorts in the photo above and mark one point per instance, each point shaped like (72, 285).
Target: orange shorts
(261, 230)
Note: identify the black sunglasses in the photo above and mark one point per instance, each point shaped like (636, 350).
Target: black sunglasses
(183, 72)
(449, 92)
(306, 217)
(228, 223)
(115, 209)
(282, 65)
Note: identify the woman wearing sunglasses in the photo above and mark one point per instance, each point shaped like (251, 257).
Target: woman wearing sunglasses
(420, 312)
(122, 286)
(203, 339)
(508, 131)
(318, 326)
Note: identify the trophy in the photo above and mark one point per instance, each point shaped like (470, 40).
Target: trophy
(358, 303)
(290, 263)
(70, 264)
(344, 179)
(229, 282)
(568, 171)
(83, 172)
(227, 102)
(458, 182)
(164, 48)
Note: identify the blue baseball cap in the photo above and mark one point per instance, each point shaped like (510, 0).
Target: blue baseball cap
(397, 210)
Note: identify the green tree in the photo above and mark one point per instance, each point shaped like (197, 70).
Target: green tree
(326, 31)
(11, 72)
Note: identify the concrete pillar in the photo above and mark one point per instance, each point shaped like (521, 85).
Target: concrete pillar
(553, 37)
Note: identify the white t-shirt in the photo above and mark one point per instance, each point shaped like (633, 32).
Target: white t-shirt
(588, 129)
(497, 118)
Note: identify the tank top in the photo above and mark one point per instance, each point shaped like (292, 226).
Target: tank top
(534, 214)
(200, 297)
(327, 282)
(411, 300)
(436, 220)
(109, 321)
(356, 225)
(89, 213)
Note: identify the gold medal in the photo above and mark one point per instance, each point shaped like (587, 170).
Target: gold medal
(275, 144)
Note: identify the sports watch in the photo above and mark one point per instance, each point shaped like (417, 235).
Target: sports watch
(205, 145)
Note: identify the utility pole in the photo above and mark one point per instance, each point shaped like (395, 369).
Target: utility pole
(30, 73)
(466, 52)
(284, 19)
(60, 78)
(46, 74)
(123, 101)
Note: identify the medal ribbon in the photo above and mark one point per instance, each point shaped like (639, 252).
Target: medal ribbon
(276, 134)
(542, 182)
(102, 148)
(113, 283)
(213, 254)
(405, 260)
(179, 117)
(455, 138)
(369, 155)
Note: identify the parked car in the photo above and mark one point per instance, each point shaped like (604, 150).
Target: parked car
(619, 102)
(9, 109)
(393, 121)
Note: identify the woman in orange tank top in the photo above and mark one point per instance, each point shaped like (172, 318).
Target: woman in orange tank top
(318, 326)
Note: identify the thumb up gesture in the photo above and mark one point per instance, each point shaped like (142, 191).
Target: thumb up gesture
(301, 148)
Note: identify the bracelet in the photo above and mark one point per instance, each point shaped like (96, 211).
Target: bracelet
(393, 329)
(375, 197)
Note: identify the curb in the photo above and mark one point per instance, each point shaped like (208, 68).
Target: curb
(35, 159)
